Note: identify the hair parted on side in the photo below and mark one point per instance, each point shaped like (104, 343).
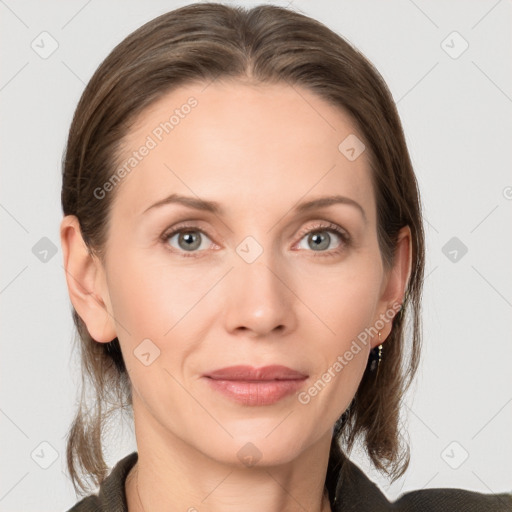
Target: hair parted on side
(266, 44)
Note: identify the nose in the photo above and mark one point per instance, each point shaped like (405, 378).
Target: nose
(259, 301)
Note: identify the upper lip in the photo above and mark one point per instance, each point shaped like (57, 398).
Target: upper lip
(265, 373)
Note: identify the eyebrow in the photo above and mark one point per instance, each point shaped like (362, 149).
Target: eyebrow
(216, 208)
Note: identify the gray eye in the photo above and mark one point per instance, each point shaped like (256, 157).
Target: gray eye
(319, 240)
(188, 240)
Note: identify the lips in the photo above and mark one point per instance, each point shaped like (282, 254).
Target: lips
(249, 373)
(251, 386)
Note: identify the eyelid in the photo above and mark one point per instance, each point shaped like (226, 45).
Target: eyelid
(325, 226)
(318, 226)
(182, 226)
(346, 239)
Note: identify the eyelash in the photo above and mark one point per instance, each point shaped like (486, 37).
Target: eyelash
(329, 227)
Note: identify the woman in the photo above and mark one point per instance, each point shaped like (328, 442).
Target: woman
(243, 243)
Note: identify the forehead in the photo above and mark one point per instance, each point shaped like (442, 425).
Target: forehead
(245, 145)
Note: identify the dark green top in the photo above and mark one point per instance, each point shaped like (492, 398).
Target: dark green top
(350, 491)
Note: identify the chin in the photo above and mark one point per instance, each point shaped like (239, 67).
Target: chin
(259, 449)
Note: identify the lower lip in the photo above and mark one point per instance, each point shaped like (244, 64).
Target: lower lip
(256, 392)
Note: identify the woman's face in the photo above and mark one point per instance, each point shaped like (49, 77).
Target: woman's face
(245, 283)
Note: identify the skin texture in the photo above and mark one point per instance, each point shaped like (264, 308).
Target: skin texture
(258, 151)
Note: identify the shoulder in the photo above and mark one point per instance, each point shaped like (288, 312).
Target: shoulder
(356, 492)
(89, 504)
(111, 495)
(453, 500)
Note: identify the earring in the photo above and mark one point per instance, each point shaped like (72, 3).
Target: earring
(376, 357)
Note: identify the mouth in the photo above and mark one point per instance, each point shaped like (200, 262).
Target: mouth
(256, 386)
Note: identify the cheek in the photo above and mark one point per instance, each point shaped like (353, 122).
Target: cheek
(150, 307)
(333, 386)
(341, 360)
(345, 305)
(168, 307)
(149, 298)
(342, 298)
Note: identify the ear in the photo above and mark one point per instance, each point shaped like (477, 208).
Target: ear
(395, 285)
(85, 278)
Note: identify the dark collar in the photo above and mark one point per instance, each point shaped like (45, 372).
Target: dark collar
(350, 490)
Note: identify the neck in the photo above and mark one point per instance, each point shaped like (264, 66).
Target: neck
(170, 474)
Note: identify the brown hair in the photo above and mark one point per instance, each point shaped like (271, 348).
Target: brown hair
(201, 42)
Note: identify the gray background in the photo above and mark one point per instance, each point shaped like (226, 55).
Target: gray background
(456, 112)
